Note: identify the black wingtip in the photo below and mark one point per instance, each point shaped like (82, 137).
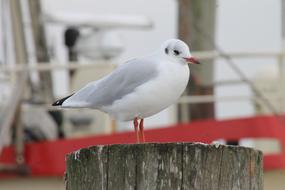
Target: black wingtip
(60, 101)
(57, 103)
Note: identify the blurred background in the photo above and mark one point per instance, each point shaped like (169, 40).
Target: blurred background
(51, 48)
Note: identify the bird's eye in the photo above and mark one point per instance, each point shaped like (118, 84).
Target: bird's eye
(176, 52)
(166, 50)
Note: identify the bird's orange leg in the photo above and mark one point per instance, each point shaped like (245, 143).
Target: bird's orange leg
(142, 131)
(136, 126)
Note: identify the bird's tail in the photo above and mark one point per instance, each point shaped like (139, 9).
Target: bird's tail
(60, 101)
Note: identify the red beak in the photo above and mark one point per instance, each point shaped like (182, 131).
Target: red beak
(191, 60)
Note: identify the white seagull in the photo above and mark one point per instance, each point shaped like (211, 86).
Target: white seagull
(138, 88)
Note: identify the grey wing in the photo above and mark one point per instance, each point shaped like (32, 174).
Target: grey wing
(124, 80)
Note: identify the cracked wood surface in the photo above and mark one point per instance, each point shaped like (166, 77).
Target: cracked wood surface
(169, 166)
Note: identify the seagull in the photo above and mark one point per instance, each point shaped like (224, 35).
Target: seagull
(140, 87)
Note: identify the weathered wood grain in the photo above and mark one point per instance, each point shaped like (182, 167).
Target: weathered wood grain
(169, 166)
(159, 166)
(87, 168)
(122, 167)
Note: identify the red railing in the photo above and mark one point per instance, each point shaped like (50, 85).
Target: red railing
(48, 158)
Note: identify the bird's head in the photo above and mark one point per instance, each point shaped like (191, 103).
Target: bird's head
(178, 50)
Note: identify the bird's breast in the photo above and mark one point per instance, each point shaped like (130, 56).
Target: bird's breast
(154, 95)
(173, 80)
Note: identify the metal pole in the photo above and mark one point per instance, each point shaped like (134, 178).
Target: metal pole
(45, 91)
(18, 33)
(21, 58)
(29, 41)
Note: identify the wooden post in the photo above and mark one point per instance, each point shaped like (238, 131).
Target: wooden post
(196, 26)
(164, 166)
